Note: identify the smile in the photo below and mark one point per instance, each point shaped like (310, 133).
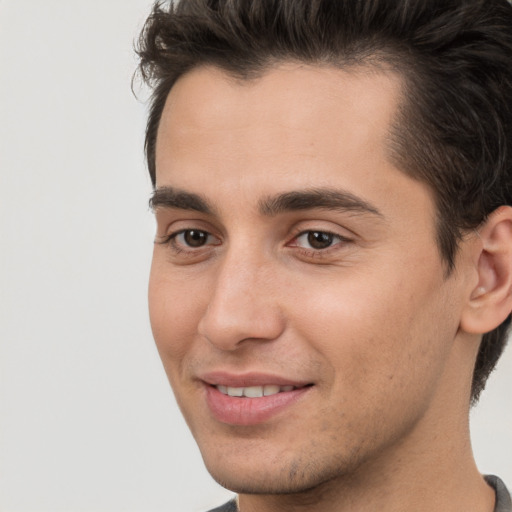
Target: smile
(254, 391)
(252, 404)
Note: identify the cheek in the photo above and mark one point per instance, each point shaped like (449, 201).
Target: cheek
(381, 358)
(376, 331)
(174, 311)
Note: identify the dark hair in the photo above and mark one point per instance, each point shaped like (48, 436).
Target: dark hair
(454, 129)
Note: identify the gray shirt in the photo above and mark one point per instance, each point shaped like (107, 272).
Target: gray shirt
(503, 501)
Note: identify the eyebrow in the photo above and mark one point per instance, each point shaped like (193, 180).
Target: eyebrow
(317, 198)
(169, 197)
(309, 199)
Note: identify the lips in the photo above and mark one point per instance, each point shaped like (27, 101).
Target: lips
(254, 391)
(250, 399)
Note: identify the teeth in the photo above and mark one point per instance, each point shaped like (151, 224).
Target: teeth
(235, 391)
(254, 391)
(271, 390)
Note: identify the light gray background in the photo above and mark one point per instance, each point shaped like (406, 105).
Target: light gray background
(88, 422)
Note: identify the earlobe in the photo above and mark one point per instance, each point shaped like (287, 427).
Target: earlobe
(490, 301)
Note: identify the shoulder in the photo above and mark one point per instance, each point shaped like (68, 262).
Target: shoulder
(230, 506)
(503, 499)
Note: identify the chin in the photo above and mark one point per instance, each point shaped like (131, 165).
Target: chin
(250, 476)
(258, 484)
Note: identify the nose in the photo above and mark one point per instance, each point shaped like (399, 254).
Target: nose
(243, 304)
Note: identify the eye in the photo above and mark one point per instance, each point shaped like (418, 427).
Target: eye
(188, 240)
(192, 238)
(317, 240)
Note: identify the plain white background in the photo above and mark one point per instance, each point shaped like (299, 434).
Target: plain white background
(88, 422)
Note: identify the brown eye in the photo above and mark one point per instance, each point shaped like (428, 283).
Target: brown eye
(320, 239)
(195, 238)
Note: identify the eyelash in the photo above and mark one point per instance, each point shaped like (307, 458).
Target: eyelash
(187, 250)
(319, 252)
(170, 240)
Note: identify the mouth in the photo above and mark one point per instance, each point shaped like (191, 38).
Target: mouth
(255, 391)
(251, 400)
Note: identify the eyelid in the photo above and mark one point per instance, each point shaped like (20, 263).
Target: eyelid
(338, 236)
(171, 222)
(342, 243)
(331, 228)
(170, 237)
(329, 233)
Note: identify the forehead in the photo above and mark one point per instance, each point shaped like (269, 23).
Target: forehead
(295, 127)
(308, 109)
(285, 89)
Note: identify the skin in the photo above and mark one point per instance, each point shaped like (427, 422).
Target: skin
(372, 321)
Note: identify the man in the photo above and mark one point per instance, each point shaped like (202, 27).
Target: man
(332, 275)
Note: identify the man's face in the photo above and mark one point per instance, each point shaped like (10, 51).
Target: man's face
(296, 261)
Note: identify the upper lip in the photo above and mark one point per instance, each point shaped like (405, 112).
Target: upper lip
(221, 378)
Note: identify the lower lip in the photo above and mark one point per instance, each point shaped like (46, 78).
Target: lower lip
(250, 411)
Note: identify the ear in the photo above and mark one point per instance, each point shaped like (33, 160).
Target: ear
(490, 301)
